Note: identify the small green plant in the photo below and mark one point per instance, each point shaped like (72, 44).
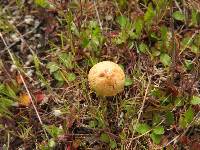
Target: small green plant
(39, 74)
(67, 59)
(7, 98)
(92, 38)
(186, 118)
(104, 137)
(165, 59)
(155, 132)
(149, 15)
(54, 132)
(126, 30)
(63, 74)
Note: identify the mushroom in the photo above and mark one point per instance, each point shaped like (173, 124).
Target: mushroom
(106, 78)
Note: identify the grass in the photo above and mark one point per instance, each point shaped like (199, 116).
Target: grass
(45, 100)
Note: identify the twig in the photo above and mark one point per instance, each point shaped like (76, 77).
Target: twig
(177, 5)
(118, 7)
(140, 113)
(8, 142)
(173, 41)
(97, 13)
(174, 139)
(24, 83)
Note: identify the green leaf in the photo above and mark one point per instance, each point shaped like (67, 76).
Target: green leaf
(93, 37)
(189, 115)
(113, 144)
(123, 21)
(52, 66)
(156, 93)
(5, 104)
(195, 100)
(186, 41)
(128, 81)
(197, 38)
(54, 131)
(143, 48)
(71, 77)
(142, 128)
(105, 138)
(122, 37)
(182, 122)
(52, 143)
(93, 123)
(155, 137)
(93, 25)
(163, 31)
(169, 118)
(195, 49)
(154, 37)
(149, 14)
(128, 106)
(132, 35)
(123, 135)
(179, 102)
(165, 59)
(85, 42)
(10, 92)
(121, 66)
(122, 3)
(67, 60)
(42, 3)
(91, 61)
(164, 100)
(194, 17)
(138, 26)
(159, 130)
(178, 16)
(58, 76)
(7, 91)
(187, 118)
(75, 29)
(188, 64)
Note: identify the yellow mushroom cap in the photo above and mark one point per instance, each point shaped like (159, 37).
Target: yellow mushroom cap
(106, 78)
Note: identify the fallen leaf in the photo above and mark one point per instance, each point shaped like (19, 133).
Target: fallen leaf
(195, 146)
(68, 147)
(24, 99)
(184, 140)
(70, 118)
(172, 89)
(19, 79)
(39, 96)
(76, 143)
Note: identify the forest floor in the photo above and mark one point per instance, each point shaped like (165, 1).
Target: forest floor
(47, 48)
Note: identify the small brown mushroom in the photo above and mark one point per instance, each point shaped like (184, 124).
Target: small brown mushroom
(106, 78)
